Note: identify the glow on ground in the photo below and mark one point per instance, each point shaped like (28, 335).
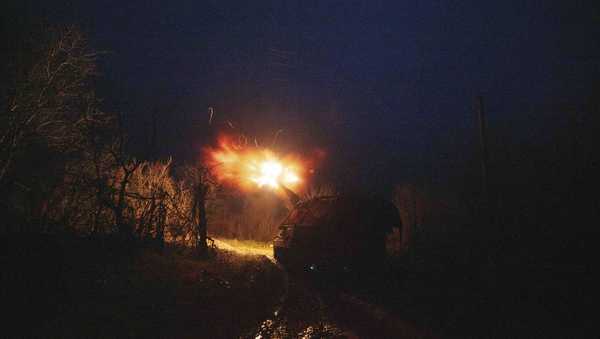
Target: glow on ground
(245, 247)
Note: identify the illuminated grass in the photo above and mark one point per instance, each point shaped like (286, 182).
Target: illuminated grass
(250, 247)
(259, 245)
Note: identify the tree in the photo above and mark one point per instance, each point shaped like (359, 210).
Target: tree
(47, 128)
(200, 183)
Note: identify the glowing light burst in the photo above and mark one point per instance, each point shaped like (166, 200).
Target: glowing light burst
(271, 173)
(254, 167)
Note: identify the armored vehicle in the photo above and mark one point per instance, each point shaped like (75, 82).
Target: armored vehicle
(335, 233)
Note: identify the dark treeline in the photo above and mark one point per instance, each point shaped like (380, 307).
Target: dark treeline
(64, 163)
(541, 208)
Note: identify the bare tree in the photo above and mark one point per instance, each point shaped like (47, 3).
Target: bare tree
(54, 102)
(48, 134)
(120, 182)
(201, 184)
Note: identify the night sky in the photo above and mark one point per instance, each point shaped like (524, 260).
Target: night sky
(385, 88)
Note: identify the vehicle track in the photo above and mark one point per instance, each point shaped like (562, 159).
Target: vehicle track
(313, 307)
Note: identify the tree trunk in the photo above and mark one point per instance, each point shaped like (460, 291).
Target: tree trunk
(199, 211)
(123, 227)
(202, 223)
(160, 230)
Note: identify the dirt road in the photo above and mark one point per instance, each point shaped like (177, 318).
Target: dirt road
(314, 307)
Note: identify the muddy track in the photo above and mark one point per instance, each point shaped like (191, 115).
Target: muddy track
(302, 312)
(311, 307)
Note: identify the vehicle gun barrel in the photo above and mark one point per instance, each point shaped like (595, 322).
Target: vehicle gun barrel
(294, 198)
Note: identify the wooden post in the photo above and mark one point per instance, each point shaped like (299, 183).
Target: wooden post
(490, 234)
(484, 151)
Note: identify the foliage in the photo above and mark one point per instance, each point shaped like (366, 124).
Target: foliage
(64, 163)
(51, 133)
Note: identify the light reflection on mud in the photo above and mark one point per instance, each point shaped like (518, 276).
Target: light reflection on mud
(302, 314)
(279, 330)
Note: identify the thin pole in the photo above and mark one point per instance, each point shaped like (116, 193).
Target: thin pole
(488, 216)
(484, 150)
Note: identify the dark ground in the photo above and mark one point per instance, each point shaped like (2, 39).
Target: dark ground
(74, 288)
(63, 286)
(440, 298)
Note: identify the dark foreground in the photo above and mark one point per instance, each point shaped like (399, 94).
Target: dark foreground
(445, 300)
(66, 287)
(70, 287)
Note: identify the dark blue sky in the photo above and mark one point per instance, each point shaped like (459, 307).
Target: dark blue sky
(389, 85)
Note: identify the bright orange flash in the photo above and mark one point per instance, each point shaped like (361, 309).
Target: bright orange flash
(254, 167)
